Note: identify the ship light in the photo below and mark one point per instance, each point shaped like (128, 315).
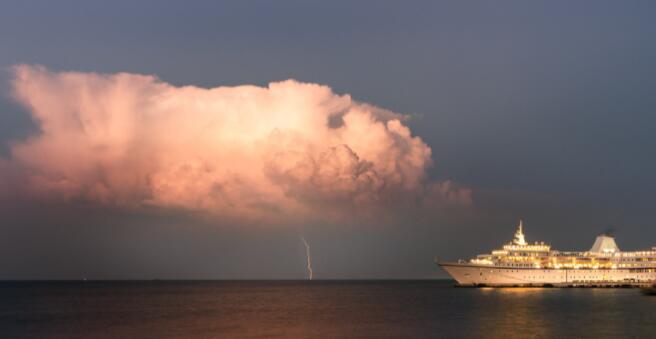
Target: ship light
(482, 261)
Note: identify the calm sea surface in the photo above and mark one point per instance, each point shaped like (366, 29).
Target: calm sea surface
(398, 309)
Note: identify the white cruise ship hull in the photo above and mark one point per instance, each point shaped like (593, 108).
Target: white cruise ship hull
(467, 274)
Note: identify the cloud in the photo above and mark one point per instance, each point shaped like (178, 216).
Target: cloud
(289, 151)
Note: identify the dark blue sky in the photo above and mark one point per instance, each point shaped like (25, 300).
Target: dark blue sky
(545, 109)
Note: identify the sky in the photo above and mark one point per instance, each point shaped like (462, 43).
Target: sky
(433, 127)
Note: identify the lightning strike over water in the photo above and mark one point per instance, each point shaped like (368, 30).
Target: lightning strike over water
(308, 256)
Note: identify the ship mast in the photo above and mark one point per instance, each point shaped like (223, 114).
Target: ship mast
(519, 235)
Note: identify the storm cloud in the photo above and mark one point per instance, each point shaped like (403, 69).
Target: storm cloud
(286, 152)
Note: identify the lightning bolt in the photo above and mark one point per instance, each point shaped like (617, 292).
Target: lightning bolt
(308, 256)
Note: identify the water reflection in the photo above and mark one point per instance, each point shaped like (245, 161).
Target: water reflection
(397, 309)
(511, 313)
(552, 312)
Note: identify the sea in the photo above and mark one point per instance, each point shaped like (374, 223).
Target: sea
(318, 309)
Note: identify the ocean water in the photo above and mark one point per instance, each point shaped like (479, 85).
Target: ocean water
(318, 309)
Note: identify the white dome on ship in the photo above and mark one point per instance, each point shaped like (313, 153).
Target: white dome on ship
(605, 244)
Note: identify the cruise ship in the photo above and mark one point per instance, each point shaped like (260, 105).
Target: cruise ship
(519, 264)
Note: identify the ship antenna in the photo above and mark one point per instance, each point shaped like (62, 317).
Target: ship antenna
(519, 235)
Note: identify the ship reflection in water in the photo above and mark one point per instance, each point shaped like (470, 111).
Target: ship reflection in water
(399, 309)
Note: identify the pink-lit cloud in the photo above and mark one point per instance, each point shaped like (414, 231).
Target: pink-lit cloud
(289, 151)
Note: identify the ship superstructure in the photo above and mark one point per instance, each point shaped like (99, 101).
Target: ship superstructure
(519, 263)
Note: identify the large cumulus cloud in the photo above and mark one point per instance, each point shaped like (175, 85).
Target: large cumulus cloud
(285, 152)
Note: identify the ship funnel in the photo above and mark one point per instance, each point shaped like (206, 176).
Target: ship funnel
(604, 244)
